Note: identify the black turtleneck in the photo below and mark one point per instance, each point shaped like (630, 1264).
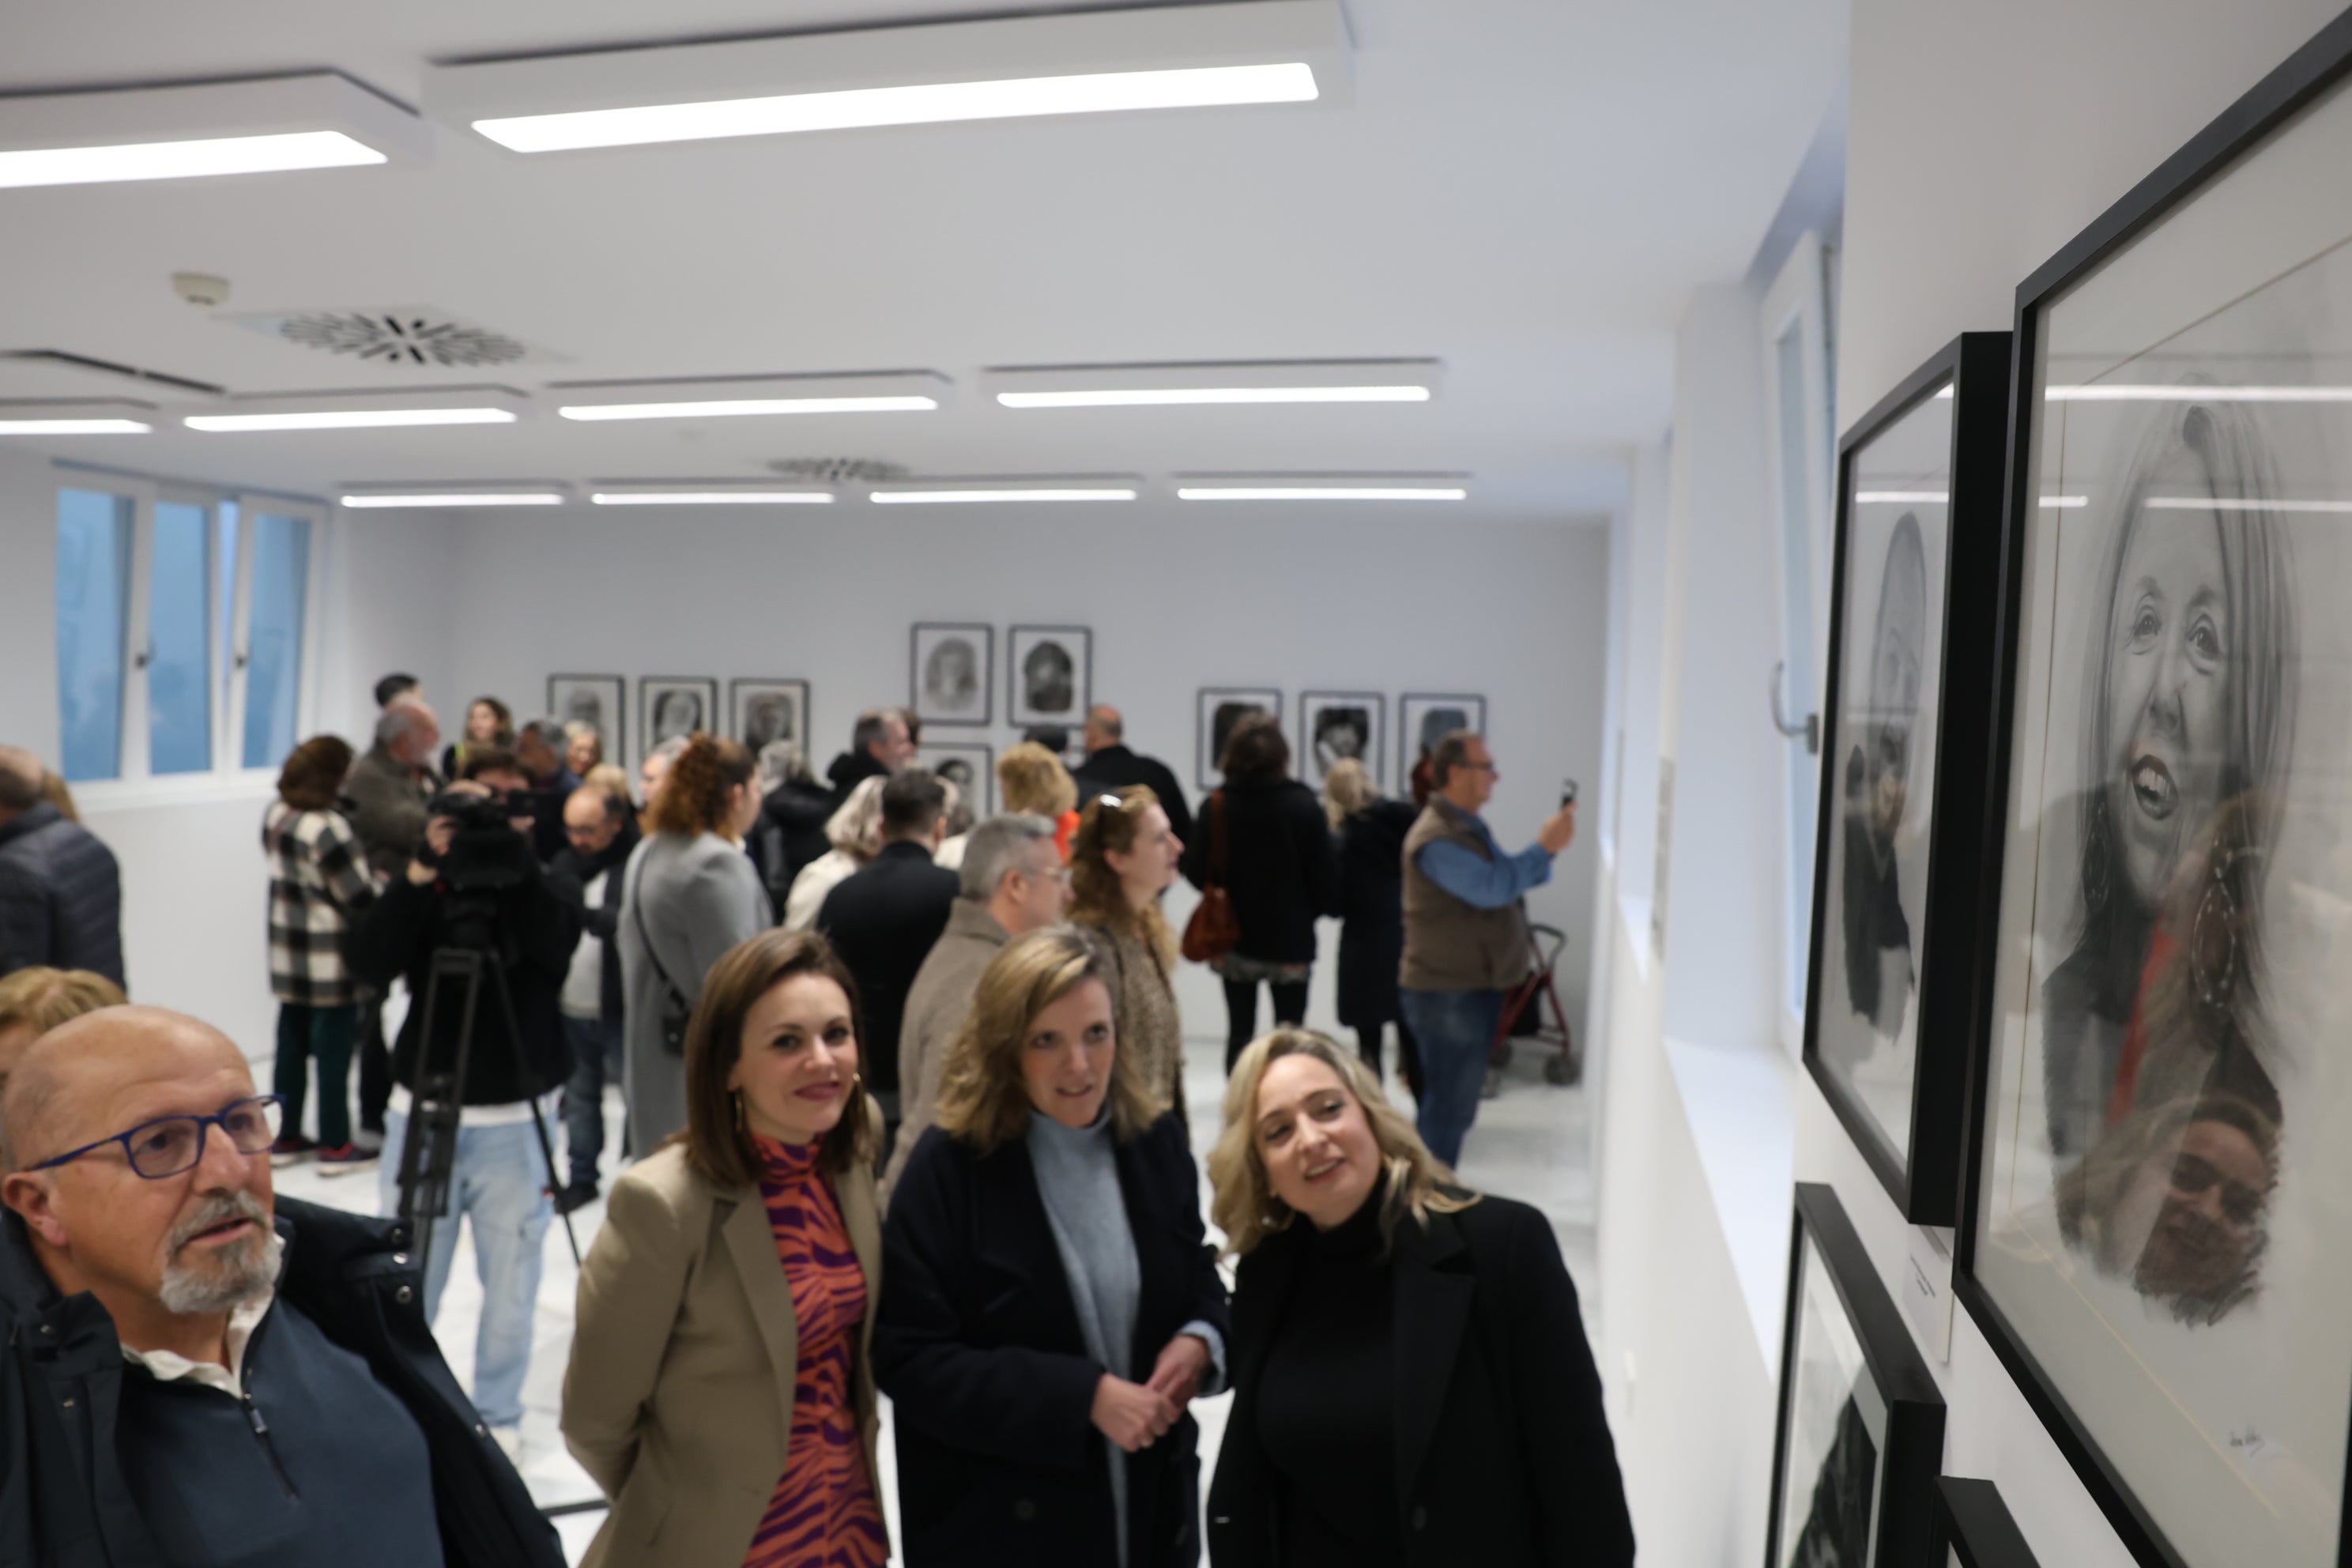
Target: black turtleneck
(1326, 1401)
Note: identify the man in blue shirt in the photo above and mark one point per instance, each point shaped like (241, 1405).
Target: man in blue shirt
(1465, 933)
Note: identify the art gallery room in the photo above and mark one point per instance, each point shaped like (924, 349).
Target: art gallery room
(1630, 722)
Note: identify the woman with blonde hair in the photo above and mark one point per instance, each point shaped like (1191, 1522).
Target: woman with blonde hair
(855, 832)
(583, 747)
(1029, 778)
(1050, 1305)
(1122, 857)
(720, 1389)
(1368, 895)
(1411, 1342)
(34, 1001)
(688, 896)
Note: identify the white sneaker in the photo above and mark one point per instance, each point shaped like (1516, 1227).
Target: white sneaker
(509, 1441)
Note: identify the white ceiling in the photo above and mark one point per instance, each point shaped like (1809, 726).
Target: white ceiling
(1525, 189)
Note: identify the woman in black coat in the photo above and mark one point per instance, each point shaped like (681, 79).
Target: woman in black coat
(1368, 895)
(1049, 1304)
(1279, 872)
(1397, 1341)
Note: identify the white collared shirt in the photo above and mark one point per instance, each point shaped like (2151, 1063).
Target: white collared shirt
(170, 1366)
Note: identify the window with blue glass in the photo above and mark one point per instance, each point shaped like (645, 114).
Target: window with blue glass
(273, 674)
(94, 533)
(179, 641)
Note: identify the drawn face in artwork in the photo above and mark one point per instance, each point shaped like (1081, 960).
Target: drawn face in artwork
(1047, 678)
(583, 705)
(677, 713)
(1897, 653)
(767, 718)
(1342, 733)
(2169, 645)
(1438, 724)
(951, 674)
(956, 770)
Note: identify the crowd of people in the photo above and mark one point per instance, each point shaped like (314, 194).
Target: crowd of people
(903, 1109)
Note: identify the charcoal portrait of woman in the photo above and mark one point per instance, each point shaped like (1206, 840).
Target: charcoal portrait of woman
(951, 676)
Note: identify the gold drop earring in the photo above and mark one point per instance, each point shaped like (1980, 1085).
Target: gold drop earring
(737, 1096)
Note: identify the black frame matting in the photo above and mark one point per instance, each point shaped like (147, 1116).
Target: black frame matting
(1925, 1180)
(1972, 1523)
(1914, 1450)
(1015, 711)
(617, 744)
(987, 639)
(2311, 71)
(711, 713)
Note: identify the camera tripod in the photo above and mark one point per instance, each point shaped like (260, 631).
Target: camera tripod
(429, 1152)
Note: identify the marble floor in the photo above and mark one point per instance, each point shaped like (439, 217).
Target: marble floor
(1533, 1143)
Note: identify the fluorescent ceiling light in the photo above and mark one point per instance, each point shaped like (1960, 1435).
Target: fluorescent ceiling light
(434, 498)
(347, 419)
(316, 121)
(2194, 392)
(1154, 397)
(726, 408)
(2066, 503)
(1321, 492)
(963, 498)
(73, 427)
(1156, 58)
(712, 498)
(1900, 498)
(928, 104)
(2222, 503)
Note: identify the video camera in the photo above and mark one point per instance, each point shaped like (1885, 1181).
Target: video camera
(486, 853)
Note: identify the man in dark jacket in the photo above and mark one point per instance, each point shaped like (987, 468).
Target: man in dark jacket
(884, 917)
(791, 830)
(195, 1371)
(61, 892)
(883, 743)
(587, 876)
(384, 799)
(540, 747)
(1110, 766)
(483, 892)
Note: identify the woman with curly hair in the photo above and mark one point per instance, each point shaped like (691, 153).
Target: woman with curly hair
(689, 895)
(1122, 857)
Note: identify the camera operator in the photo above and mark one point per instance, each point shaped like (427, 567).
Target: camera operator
(477, 886)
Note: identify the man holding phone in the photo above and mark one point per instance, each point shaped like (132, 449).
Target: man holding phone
(1466, 931)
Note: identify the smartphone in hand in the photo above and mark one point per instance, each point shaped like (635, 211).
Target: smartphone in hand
(1566, 793)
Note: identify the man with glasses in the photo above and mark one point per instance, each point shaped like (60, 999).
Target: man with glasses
(1465, 933)
(197, 1372)
(1012, 882)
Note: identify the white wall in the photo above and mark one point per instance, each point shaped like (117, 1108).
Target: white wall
(1177, 601)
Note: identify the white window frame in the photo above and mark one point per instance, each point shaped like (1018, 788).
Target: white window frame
(135, 784)
(1800, 297)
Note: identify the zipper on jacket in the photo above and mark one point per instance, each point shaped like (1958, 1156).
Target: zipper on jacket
(252, 1415)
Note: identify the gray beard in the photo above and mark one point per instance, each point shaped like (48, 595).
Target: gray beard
(231, 1278)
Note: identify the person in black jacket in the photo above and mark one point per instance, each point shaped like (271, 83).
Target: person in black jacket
(883, 743)
(1049, 1305)
(61, 892)
(793, 813)
(1110, 766)
(501, 1181)
(587, 875)
(884, 917)
(258, 1373)
(1368, 895)
(1279, 867)
(1411, 1385)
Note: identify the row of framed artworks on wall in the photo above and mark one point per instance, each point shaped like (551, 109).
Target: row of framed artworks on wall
(1334, 727)
(1049, 673)
(2083, 890)
(758, 710)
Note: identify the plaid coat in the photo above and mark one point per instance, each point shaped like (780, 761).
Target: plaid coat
(318, 880)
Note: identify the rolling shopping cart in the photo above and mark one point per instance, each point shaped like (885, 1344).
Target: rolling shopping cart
(1537, 991)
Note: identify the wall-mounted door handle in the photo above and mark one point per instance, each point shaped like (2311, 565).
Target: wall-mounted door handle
(1812, 727)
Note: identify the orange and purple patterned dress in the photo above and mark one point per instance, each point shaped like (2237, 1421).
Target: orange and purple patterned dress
(823, 1513)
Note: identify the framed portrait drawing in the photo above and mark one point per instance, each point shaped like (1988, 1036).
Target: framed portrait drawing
(1051, 675)
(1426, 718)
(1338, 726)
(1861, 1435)
(600, 702)
(949, 675)
(2159, 1235)
(759, 711)
(1221, 708)
(1974, 1529)
(1908, 715)
(674, 705)
(969, 765)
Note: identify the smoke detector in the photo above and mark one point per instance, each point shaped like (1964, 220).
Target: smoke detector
(398, 337)
(839, 470)
(200, 288)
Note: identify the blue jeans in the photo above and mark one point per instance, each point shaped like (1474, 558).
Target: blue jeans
(596, 1062)
(1456, 1033)
(498, 1184)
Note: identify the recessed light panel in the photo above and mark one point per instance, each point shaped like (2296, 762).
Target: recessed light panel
(1200, 384)
(896, 392)
(317, 121)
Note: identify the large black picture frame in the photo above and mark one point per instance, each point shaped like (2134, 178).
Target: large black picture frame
(1905, 1505)
(1973, 1525)
(1924, 1178)
(2320, 65)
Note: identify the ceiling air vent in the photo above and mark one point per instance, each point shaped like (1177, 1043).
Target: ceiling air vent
(839, 470)
(400, 337)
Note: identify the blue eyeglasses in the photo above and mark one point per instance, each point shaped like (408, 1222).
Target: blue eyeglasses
(170, 1144)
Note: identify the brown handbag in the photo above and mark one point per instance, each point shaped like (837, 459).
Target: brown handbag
(1214, 930)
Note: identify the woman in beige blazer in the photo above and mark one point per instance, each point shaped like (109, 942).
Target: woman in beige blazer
(737, 1265)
